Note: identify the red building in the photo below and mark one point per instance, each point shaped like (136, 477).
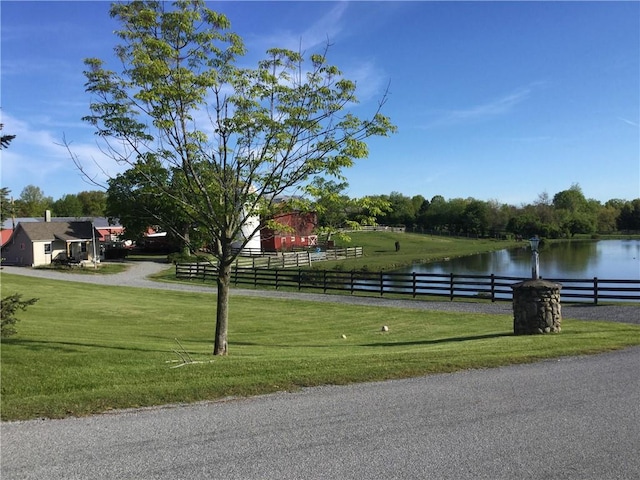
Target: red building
(297, 234)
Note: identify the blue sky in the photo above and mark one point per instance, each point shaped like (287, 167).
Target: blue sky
(492, 100)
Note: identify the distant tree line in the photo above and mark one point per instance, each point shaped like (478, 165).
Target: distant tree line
(564, 215)
(32, 202)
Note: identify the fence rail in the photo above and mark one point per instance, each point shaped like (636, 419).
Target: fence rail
(490, 287)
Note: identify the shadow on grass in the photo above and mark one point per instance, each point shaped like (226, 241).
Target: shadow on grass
(278, 345)
(383, 344)
(439, 340)
(70, 347)
(148, 258)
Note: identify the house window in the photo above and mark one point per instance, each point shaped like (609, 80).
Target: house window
(83, 247)
(22, 246)
(47, 248)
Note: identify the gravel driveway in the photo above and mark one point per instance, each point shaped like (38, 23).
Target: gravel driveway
(138, 271)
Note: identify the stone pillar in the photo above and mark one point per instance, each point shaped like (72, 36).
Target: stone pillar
(536, 307)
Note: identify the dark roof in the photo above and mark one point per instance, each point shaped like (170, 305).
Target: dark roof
(99, 222)
(10, 223)
(38, 231)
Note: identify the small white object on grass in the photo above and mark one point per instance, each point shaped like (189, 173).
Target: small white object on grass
(385, 328)
(344, 336)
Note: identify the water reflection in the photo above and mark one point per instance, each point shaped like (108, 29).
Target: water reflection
(607, 259)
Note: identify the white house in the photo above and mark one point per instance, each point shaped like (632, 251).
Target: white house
(40, 243)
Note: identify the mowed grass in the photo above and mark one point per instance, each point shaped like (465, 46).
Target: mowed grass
(380, 253)
(108, 268)
(85, 349)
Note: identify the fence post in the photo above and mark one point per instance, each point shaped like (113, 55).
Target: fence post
(324, 281)
(277, 278)
(493, 288)
(381, 283)
(351, 283)
(595, 290)
(451, 287)
(414, 285)
(299, 279)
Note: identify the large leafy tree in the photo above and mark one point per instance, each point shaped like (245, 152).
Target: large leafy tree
(32, 202)
(337, 212)
(5, 204)
(239, 137)
(134, 201)
(67, 206)
(475, 218)
(94, 202)
(571, 200)
(629, 218)
(573, 212)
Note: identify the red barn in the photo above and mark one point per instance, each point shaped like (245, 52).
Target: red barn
(299, 235)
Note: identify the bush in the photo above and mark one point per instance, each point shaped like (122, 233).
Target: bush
(9, 306)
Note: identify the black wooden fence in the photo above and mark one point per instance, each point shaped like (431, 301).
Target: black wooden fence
(490, 287)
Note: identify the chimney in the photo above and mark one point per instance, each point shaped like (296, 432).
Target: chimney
(47, 215)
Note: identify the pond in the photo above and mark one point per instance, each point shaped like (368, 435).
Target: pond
(605, 259)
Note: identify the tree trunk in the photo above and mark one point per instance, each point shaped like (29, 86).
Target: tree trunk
(186, 244)
(222, 312)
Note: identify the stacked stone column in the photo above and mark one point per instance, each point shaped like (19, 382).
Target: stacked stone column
(536, 307)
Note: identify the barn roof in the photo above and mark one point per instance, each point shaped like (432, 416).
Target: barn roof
(5, 235)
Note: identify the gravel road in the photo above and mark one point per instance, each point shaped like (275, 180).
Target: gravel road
(138, 271)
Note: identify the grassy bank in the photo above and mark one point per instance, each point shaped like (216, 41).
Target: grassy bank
(380, 253)
(84, 349)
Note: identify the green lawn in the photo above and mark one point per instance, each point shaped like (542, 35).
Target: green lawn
(108, 268)
(84, 349)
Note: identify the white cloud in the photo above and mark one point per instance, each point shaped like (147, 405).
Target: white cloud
(326, 28)
(38, 157)
(629, 122)
(318, 33)
(477, 113)
(371, 81)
